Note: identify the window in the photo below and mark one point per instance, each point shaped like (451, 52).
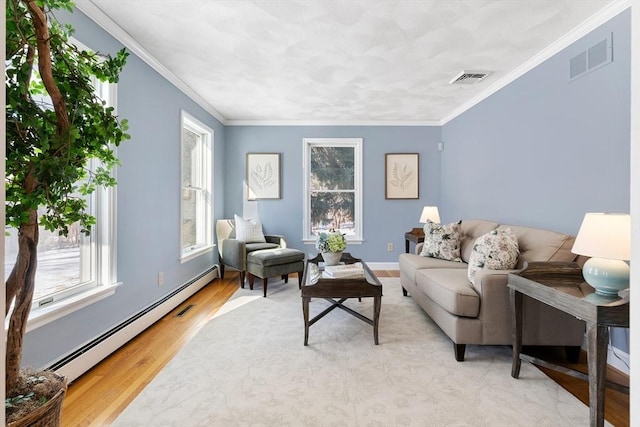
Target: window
(76, 266)
(196, 236)
(333, 187)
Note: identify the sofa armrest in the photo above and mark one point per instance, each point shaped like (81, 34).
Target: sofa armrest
(418, 248)
(234, 254)
(495, 306)
(491, 279)
(539, 318)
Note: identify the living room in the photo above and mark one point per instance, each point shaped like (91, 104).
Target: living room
(541, 152)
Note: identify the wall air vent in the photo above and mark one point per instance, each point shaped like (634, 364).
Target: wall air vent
(469, 77)
(598, 55)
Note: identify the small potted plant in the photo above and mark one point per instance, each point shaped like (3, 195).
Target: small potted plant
(331, 245)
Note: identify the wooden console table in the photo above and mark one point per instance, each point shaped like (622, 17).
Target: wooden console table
(416, 236)
(561, 285)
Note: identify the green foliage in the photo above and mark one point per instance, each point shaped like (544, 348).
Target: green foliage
(332, 208)
(15, 401)
(35, 148)
(331, 242)
(55, 126)
(332, 170)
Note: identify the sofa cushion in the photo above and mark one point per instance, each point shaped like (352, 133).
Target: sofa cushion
(470, 230)
(442, 241)
(258, 246)
(496, 250)
(542, 245)
(249, 230)
(449, 288)
(410, 264)
(279, 256)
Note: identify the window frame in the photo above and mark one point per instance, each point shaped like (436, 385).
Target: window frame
(190, 123)
(356, 144)
(100, 247)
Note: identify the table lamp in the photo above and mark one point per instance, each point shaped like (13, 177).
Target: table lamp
(430, 213)
(606, 238)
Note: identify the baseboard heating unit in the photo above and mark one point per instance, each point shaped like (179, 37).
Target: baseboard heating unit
(80, 360)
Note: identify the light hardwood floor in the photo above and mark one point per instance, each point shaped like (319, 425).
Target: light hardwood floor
(100, 395)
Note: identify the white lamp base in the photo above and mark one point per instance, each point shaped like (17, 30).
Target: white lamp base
(607, 276)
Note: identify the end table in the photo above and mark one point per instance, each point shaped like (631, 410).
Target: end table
(416, 236)
(561, 285)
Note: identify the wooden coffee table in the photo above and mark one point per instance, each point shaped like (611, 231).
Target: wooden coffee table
(337, 291)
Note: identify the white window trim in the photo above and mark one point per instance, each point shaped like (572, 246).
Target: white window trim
(48, 313)
(196, 252)
(187, 119)
(356, 143)
(106, 252)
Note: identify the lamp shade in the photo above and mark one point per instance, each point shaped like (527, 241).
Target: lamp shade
(430, 213)
(604, 235)
(606, 238)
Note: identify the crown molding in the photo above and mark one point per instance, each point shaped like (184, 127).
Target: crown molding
(96, 14)
(333, 123)
(613, 9)
(101, 19)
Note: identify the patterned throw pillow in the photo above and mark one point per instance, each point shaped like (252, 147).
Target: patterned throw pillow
(249, 230)
(496, 250)
(442, 241)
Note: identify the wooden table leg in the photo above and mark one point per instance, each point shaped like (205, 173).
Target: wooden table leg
(376, 317)
(597, 340)
(516, 318)
(305, 315)
(406, 246)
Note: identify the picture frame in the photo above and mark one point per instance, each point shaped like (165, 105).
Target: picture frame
(402, 179)
(263, 176)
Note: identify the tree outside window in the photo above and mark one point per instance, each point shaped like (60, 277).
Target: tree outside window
(333, 194)
(196, 196)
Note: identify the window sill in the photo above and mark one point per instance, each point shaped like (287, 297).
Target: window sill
(349, 242)
(195, 253)
(42, 315)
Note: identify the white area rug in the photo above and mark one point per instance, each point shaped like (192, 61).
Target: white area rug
(248, 367)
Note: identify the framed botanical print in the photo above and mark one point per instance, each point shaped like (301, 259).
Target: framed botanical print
(401, 176)
(263, 176)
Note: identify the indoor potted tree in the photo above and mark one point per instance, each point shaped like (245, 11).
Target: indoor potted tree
(55, 125)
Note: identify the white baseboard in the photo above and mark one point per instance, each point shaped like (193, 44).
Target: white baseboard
(79, 361)
(383, 265)
(619, 360)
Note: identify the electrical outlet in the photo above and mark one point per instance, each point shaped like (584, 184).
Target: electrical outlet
(161, 278)
(390, 247)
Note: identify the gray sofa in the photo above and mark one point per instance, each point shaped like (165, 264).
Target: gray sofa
(479, 312)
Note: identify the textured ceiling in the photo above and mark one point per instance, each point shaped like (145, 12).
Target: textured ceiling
(342, 60)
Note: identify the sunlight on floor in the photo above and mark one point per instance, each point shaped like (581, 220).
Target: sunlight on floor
(233, 304)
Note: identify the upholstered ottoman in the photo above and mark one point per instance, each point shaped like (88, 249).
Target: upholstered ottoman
(267, 263)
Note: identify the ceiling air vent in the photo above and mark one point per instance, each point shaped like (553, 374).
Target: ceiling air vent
(469, 77)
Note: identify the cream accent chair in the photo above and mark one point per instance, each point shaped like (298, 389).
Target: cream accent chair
(233, 253)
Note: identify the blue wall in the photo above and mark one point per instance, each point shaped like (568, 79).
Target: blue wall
(148, 202)
(541, 152)
(385, 221)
